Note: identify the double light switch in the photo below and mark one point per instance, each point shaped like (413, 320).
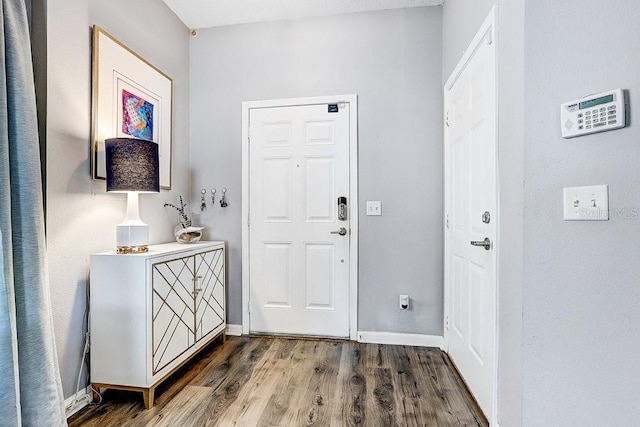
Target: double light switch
(586, 203)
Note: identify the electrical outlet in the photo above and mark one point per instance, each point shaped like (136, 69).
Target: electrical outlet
(404, 302)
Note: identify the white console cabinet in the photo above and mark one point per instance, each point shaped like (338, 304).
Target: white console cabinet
(151, 312)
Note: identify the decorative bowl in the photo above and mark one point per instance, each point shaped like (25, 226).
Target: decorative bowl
(188, 234)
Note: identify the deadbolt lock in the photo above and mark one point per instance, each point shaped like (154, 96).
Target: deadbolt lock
(486, 217)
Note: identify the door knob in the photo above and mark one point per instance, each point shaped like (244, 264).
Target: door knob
(342, 231)
(486, 243)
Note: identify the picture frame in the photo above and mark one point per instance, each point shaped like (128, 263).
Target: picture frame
(131, 98)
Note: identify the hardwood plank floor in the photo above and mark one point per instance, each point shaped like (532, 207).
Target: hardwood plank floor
(264, 381)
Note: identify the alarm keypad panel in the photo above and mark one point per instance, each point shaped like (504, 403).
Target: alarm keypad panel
(594, 113)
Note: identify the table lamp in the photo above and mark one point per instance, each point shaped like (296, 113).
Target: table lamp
(132, 168)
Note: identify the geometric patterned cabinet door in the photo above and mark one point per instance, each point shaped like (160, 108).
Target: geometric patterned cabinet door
(209, 292)
(183, 290)
(173, 310)
(152, 312)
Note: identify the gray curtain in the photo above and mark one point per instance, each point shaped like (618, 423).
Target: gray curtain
(30, 388)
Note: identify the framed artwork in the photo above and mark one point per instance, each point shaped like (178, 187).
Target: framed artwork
(130, 98)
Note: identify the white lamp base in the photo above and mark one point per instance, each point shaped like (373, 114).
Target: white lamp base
(132, 235)
(131, 239)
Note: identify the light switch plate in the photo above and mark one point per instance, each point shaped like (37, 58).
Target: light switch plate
(374, 208)
(586, 203)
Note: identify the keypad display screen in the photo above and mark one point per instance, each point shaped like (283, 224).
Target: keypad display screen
(597, 101)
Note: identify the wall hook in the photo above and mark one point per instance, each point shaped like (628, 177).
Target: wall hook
(203, 203)
(213, 196)
(223, 199)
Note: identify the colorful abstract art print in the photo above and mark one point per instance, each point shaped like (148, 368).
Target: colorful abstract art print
(137, 116)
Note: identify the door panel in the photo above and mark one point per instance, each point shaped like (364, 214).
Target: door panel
(299, 270)
(320, 276)
(277, 275)
(278, 134)
(277, 190)
(477, 309)
(319, 191)
(319, 132)
(471, 190)
(456, 280)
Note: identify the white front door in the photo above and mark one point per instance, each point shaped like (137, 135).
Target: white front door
(299, 264)
(470, 199)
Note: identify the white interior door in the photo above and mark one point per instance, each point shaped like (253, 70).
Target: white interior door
(299, 265)
(470, 191)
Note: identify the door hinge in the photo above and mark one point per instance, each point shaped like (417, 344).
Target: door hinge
(248, 220)
(249, 306)
(446, 222)
(446, 120)
(446, 323)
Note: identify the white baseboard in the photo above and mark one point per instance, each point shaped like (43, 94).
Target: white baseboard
(394, 338)
(234, 330)
(78, 401)
(378, 338)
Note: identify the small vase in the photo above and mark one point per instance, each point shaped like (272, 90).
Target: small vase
(188, 234)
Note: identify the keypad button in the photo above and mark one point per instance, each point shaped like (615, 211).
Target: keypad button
(588, 126)
(588, 113)
(580, 127)
(588, 122)
(603, 109)
(612, 117)
(611, 112)
(613, 122)
(597, 125)
(603, 114)
(595, 111)
(580, 121)
(612, 107)
(579, 115)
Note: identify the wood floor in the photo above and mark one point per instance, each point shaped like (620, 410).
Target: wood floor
(263, 381)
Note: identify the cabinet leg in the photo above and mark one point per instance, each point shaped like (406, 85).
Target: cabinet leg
(94, 393)
(224, 337)
(148, 395)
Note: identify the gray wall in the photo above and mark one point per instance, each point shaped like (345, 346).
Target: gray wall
(462, 18)
(81, 218)
(581, 288)
(392, 60)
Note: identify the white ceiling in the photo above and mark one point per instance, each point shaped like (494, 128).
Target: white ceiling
(212, 13)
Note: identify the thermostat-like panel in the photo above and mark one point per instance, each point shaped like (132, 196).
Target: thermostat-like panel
(594, 113)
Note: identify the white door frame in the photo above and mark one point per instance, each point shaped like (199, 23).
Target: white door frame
(488, 26)
(353, 197)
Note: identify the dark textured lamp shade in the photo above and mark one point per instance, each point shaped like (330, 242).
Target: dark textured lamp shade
(132, 165)
(132, 168)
